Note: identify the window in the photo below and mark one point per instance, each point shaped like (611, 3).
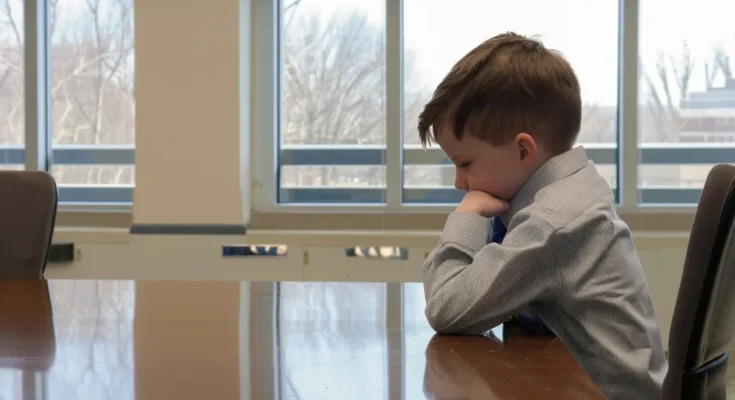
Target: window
(343, 326)
(12, 104)
(346, 119)
(89, 122)
(429, 54)
(332, 104)
(686, 97)
(342, 137)
(93, 99)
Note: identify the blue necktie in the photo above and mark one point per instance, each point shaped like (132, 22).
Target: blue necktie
(527, 322)
(498, 232)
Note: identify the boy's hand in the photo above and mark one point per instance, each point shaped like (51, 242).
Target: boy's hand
(481, 203)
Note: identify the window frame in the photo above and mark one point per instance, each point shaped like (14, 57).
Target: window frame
(267, 73)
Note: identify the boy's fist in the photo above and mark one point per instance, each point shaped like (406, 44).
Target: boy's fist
(481, 203)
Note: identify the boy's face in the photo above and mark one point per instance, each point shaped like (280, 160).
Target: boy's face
(497, 170)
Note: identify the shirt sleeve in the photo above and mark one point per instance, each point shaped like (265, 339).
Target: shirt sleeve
(472, 286)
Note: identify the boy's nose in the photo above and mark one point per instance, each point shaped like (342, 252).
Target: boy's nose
(460, 182)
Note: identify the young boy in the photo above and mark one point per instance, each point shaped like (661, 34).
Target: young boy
(508, 115)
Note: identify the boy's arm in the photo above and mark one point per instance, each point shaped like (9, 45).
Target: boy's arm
(472, 286)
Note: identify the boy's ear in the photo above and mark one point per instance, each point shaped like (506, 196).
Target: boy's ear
(527, 146)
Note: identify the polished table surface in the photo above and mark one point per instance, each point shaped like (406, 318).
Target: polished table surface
(260, 340)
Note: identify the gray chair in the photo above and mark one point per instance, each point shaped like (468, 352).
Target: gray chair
(28, 201)
(704, 318)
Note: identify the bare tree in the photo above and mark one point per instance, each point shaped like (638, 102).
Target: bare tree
(11, 75)
(722, 62)
(667, 91)
(334, 90)
(333, 78)
(416, 93)
(598, 125)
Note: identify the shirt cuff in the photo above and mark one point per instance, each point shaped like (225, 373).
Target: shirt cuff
(467, 229)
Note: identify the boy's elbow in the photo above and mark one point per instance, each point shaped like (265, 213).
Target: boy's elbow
(440, 319)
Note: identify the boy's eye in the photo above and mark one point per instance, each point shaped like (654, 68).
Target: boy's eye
(465, 165)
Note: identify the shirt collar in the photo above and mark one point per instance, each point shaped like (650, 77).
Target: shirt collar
(556, 168)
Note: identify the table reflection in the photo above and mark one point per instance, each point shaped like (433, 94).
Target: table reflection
(93, 323)
(27, 342)
(259, 341)
(332, 340)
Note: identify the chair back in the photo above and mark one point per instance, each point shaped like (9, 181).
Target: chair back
(28, 201)
(703, 325)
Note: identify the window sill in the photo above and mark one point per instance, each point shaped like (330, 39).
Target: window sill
(642, 221)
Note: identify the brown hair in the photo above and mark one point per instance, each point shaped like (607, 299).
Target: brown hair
(507, 85)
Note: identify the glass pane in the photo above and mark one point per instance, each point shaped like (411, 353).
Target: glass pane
(332, 101)
(431, 52)
(12, 100)
(687, 97)
(343, 326)
(332, 184)
(93, 96)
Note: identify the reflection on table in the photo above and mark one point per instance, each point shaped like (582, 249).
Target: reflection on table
(258, 340)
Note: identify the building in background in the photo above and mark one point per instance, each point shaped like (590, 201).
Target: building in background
(709, 116)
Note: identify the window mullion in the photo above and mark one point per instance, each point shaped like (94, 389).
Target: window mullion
(37, 84)
(393, 156)
(628, 106)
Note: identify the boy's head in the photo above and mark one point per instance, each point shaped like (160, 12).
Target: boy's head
(505, 108)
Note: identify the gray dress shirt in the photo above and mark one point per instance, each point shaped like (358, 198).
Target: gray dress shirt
(567, 259)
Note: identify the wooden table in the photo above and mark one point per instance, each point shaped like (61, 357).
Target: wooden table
(259, 341)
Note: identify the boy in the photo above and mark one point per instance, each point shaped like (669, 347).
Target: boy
(508, 115)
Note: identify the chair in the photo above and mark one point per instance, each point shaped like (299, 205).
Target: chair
(704, 318)
(28, 201)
